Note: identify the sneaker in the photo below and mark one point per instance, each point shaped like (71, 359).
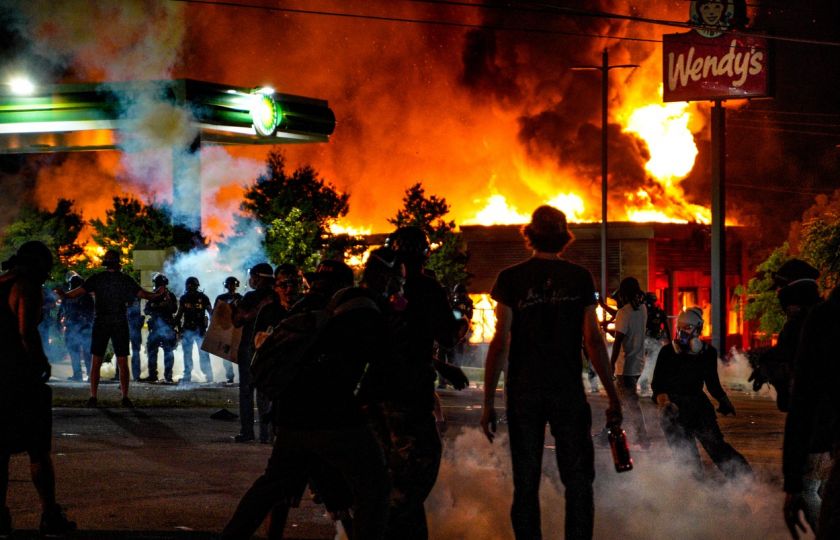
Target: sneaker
(126, 403)
(5, 523)
(149, 379)
(602, 439)
(91, 403)
(242, 438)
(55, 524)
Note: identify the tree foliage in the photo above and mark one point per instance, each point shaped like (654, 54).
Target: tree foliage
(59, 229)
(448, 258)
(290, 240)
(297, 209)
(131, 224)
(762, 304)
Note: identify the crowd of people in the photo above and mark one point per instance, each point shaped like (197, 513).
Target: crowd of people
(343, 379)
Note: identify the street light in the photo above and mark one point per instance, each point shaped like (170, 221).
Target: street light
(604, 68)
(21, 86)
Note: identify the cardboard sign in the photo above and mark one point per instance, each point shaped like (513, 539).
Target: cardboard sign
(222, 338)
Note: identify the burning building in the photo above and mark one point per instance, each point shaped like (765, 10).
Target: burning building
(669, 259)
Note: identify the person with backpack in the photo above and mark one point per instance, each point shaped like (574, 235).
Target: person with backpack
(25, 397)
(313, 364)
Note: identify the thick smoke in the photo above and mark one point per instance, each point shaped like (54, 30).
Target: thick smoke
(657, 499)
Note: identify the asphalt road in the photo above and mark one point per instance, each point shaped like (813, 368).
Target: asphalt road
(171, 472)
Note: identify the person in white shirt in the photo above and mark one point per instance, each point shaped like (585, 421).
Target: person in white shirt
(628, 354)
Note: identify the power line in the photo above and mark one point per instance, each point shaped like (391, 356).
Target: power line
(568, 11)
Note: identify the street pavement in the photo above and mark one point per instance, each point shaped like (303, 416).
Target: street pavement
(166, 470)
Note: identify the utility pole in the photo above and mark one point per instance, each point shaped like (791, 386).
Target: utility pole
(604, 68)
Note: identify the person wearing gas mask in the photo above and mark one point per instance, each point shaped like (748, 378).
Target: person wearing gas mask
(230, 297)
(322, 432)
(192, 318)
(429, 320)
(25, 396)
(161, 313)
(796, 288)
(112, 290)
(686, 414)
(75, 317)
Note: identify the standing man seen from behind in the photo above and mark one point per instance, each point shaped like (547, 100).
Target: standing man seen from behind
(261, 280)
(161, 314)
(192, 318)
(546, 307)
(628, 353)
(112, 291)
(232, 298)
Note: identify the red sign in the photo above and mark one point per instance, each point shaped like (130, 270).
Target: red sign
(729, 66)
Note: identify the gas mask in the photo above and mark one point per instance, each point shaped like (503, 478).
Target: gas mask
(689, 328)
(687, 341)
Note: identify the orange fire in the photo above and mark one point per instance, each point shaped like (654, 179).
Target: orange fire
(484, 318)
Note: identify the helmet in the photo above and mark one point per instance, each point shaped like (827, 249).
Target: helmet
(75, 281)
(111, 259)
(262, 269)
(689, 328)
(159, 279)
(192, 282)
(231, 281)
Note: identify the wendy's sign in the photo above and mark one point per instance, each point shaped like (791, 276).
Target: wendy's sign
(711, 62)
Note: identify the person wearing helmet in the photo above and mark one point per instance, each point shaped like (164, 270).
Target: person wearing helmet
(192, 318)
(230, 297)
(161, 323)
(136, 320)
(261, 280)
(546, 309)
(686, 414)
(25, 398)
(112, 290)
(75, 317)
(628, 353)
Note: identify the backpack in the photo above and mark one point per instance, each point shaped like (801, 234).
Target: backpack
(289, 346)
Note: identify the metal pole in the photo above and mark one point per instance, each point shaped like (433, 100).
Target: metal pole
(605, 82)
(719, 292)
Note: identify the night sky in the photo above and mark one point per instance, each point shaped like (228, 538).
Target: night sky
(485, 103)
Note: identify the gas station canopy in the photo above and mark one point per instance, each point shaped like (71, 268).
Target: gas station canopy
(77, 117)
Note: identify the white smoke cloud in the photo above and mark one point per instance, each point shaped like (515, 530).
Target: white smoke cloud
(657, 499)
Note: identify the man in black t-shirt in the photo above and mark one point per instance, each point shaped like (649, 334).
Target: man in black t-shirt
(546, 307)
(112, 291)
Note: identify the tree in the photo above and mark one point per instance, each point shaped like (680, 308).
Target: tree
(762, 305)
(132, 224)
(297, 210)
(448, 258)
(58, 229)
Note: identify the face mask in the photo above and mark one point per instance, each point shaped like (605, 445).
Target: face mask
(686, 341)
